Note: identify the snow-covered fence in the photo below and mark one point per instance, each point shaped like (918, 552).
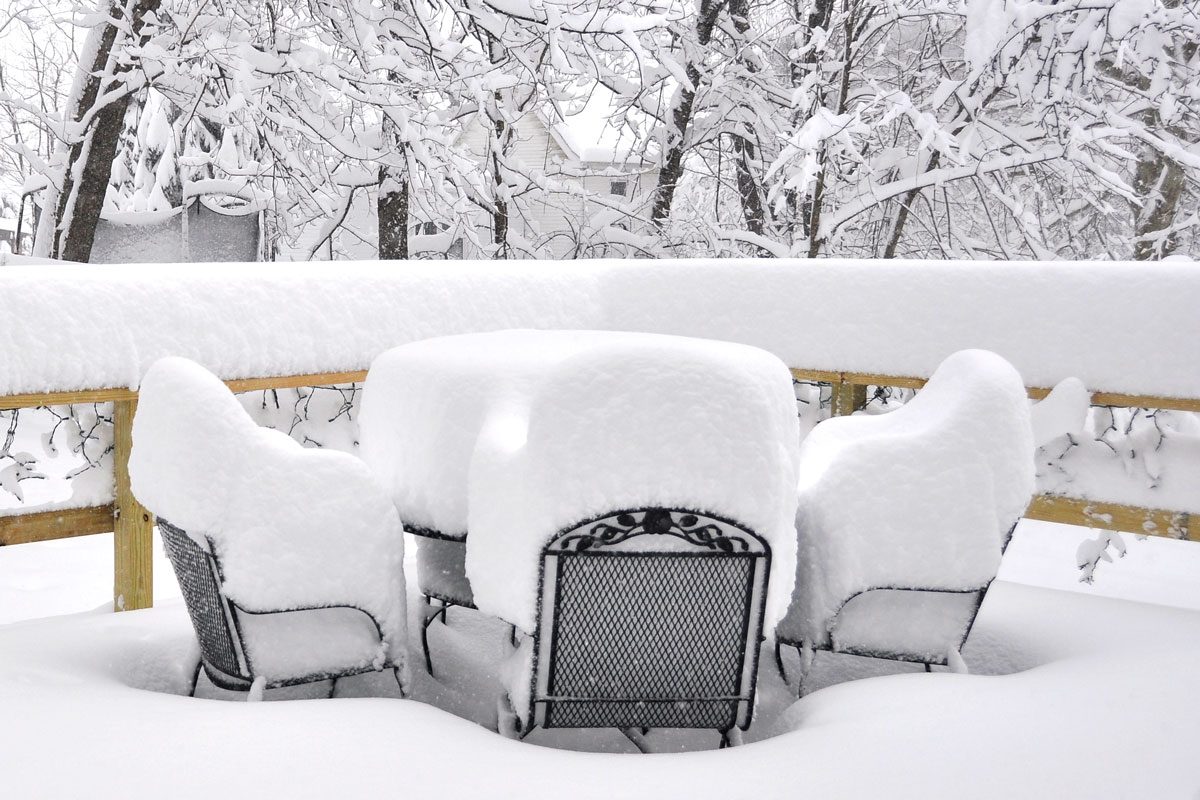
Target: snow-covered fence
(1130, 332)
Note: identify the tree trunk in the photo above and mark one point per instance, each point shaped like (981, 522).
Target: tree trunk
(67, 227)
(851, 31)
(391, 206)
(392, 209)
(902, 212)
(499, 205)
(681, 119)
(748, 186)
(819, 15)
(1159, 182)
(746, 164)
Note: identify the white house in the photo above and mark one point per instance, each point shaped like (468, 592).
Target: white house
(606, 178)
(8, 235)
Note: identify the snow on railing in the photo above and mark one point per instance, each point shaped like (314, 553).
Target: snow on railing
(86, 334)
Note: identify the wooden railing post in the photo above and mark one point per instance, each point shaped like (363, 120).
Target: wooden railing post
(847, 397)
(133, 528)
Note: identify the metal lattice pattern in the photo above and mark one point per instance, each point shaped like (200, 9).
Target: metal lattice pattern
(652, 639)
(201, 594)
(715, 714)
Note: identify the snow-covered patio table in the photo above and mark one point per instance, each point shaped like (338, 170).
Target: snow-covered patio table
(424, 405)
(528, 439)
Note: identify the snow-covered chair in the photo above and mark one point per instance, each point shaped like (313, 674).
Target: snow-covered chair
(626, 514)
(290, 560)
(903, 517)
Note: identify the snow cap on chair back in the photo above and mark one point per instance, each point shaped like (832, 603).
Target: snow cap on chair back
(633, 421)
(921, 497)
(292, 526)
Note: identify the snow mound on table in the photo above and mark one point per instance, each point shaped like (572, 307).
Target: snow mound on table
(418, 433)
(634, 420)
(922, 497)
(292, 526)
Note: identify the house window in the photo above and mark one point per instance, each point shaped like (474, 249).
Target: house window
(429, 228)
(618, 187)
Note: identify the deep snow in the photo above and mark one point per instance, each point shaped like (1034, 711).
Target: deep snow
(1107, 708)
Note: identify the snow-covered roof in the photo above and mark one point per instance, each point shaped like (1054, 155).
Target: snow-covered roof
(600, 132)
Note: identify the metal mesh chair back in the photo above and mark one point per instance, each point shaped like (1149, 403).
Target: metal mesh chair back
(635, 634)
(198, 581)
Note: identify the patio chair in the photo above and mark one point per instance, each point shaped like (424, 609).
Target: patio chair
(290, 559)
(441, 579)
(914, 624)
(903, 518)
(649, 618)
(345, 638)
(633, 515)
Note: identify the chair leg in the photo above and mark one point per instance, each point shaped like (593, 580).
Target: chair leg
(195, 678)
(332, 689)
(399, 683)
(638, 737)
(807, 660)
(779, 661)
(730, 737)
(508, 723)
(429, 618)
(928, 667)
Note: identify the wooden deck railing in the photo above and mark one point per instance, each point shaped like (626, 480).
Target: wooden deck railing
(132, 525)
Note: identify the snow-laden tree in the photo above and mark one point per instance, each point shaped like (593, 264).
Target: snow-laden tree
(990, 130)
(77, 175)
(36, 70)
(787, 127)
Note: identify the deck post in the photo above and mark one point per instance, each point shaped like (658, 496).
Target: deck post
(133, 527)
(847, 397)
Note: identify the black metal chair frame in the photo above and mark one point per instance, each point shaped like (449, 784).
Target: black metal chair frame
(710, 543)
(444, 603)
(216, 620)
(980, 593)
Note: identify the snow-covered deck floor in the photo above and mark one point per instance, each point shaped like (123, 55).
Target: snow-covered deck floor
(1102, 702)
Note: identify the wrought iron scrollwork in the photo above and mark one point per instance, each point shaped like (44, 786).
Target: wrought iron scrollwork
(683, 525)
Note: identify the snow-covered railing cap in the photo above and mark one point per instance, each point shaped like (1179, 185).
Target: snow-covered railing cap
(88, 327)
(633, 421)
